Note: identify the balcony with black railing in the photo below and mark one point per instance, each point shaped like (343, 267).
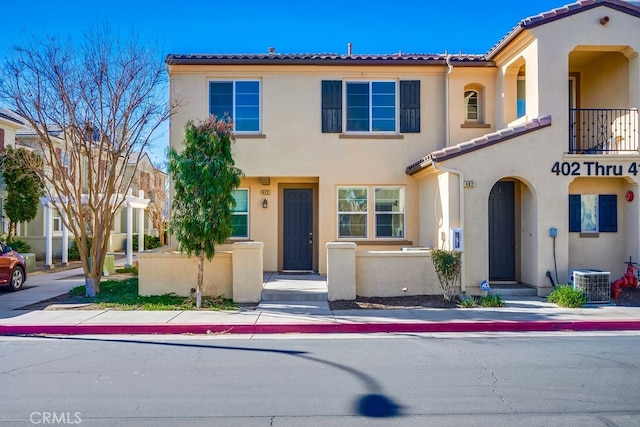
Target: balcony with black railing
(603, 131)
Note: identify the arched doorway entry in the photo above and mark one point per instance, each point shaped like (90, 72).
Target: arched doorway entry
(502, 232)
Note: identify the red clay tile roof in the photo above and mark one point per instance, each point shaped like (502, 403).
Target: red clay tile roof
(478, 143)
(327, 58)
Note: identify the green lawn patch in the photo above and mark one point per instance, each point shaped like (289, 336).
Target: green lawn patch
(123, 295)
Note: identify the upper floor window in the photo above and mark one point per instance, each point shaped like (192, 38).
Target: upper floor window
(240, 100)
(57, 221)
(240, 218)
(471, 106)
(521, 96)
(371, 106)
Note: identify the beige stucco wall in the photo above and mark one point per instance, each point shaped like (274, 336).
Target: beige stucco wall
(584, 32)
(607, 251)
(165, 272)
(395, 273)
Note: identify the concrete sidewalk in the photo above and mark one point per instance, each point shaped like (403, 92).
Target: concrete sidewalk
(282, 316)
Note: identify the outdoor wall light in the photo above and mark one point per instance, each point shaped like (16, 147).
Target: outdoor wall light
(604, 20)
(265, 204)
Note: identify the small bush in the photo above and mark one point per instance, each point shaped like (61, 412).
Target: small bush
(492, 301)
(20, 246)
(566, 296)
(74, 253)
(469, 302)
(447, 266)
(150, 242)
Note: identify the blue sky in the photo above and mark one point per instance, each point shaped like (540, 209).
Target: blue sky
(251, 26)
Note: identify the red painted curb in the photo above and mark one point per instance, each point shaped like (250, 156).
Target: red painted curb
(321, 328)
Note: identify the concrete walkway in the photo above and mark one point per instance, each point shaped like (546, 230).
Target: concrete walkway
(295, 304)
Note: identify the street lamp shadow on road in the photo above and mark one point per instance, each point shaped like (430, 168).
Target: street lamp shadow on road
(374, 404)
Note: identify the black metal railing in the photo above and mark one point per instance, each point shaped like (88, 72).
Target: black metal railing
(603, 130)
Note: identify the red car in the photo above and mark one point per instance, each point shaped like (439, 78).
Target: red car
(13, 270)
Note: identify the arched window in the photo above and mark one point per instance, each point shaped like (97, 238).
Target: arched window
(471, 112)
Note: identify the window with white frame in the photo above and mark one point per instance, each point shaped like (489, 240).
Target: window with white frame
(238, 99)
(57, 221)
(240, 217)
(389, 212)
(471, 106)
(371, 106)
(352, 212)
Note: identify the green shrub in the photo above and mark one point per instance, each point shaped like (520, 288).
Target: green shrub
(20, 246)
(469, 302)
(492, 301)
(74, 253)
(566, 296)
(447, 266)
(150, 242)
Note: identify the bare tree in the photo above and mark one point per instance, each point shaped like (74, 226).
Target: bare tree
(94, 106)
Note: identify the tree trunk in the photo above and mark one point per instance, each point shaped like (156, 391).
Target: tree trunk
(200, 280)
(89, 286)
(9, 234)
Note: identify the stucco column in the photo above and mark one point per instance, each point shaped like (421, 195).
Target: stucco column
(341, 271)
(48, 237)
(129, 249)
(65, 240)
(247, 271)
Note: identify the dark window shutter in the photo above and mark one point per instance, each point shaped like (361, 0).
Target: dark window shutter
(1, 140)
(331, 106)
(575, 213)
(608, 213)
(410, 106)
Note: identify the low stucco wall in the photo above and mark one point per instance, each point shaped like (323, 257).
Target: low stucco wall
(38, 245)
(165, 272)
(378, 273)
(387, 273)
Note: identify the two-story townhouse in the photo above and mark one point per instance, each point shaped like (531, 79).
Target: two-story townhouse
(525, 158)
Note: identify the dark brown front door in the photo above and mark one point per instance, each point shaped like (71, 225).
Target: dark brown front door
(502, 233)
(298, 229)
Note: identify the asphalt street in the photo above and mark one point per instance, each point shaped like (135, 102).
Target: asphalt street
(530, 379)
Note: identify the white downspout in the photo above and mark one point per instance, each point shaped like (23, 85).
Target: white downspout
(434, 163)
(447, 137)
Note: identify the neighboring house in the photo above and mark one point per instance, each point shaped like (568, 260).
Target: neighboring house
(153, 182)
(9, 124)
(34, 232)
(525, 157)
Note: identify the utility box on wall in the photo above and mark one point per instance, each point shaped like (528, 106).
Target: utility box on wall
(457, 242)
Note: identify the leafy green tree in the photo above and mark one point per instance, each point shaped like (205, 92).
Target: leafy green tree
(24, 187)
(204, 177)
